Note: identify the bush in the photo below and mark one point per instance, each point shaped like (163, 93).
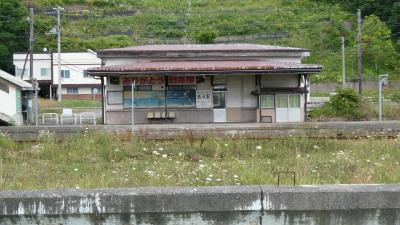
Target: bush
(346, 103)
(207, 36)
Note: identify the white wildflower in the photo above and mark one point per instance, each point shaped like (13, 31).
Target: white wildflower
(258, 147)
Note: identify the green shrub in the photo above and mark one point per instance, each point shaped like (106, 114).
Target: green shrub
(346, 103)
(207, 36)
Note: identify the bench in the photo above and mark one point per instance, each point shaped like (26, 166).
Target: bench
(152, 116)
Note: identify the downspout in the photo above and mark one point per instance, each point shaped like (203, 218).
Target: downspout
(305, 97)
(102, 100)
(103, 90)
(165, 96)
(258, 78)
(52, 74)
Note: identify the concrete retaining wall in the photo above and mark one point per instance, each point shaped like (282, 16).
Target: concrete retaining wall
(327, 205)
(234, 130)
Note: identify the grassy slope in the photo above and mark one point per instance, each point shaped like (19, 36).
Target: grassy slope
(310, 24)
(94, 160)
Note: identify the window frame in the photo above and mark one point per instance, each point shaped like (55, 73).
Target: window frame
(47, 70)
(72, 88)
(63, 74)
(273, 101)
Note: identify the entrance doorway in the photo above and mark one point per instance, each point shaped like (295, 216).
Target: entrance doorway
(288, 108)
(219, 103)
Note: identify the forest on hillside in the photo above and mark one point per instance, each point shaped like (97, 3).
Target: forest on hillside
(317, 25)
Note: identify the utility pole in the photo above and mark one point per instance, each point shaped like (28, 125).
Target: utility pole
(31, 42)
(59, 53)
(343, 63)
(35, 85)
(383, 79)
(359, 21)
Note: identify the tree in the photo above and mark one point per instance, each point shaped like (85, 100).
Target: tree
(13, 27)
(378, 49)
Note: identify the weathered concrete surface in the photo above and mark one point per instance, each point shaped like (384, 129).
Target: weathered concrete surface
(327, 205)
(251, 130)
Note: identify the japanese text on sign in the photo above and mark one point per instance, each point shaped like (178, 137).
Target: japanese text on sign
(182, 80)
(147, 80)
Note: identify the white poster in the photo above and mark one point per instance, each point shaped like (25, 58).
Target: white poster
(203, 99)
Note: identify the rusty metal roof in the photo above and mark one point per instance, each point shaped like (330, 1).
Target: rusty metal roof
(200, 48)
(206, 67)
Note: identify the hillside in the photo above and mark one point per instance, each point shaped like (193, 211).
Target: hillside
(316, 25)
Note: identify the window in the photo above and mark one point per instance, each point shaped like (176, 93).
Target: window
(287, 101)
(281, 101)
(181, 96)
(18, 72)
(45, 72)
(219, 100)
(114, 80)
(114, 98)
(85, 74)
(219, 96)
(294, 101)
(65, 73)
(72, 90)
(4, 87)
(267, 101)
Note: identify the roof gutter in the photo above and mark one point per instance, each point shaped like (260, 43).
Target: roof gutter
(207, 72)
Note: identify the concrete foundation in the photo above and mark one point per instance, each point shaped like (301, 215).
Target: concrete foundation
(338, 130)
(327, 205)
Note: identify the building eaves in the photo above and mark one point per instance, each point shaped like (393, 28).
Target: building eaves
(206, 67)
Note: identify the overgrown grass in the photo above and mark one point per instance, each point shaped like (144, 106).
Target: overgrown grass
(96, 160)
(69, 103)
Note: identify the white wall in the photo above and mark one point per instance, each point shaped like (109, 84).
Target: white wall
(40, 61)
(81, 90)
(76, 62)
(9, 101)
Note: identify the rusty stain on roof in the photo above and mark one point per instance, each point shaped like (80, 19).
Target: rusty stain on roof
(202, 47)
(204, 66)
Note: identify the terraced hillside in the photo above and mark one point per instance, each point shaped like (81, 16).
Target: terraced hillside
(316, 25)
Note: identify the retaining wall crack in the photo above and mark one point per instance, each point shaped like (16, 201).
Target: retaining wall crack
(262, 205)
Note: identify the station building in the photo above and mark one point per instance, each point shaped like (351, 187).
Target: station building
(204, 83)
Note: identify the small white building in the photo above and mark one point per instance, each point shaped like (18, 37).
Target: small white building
(228, 83)
(75, 82)
(15, 99)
